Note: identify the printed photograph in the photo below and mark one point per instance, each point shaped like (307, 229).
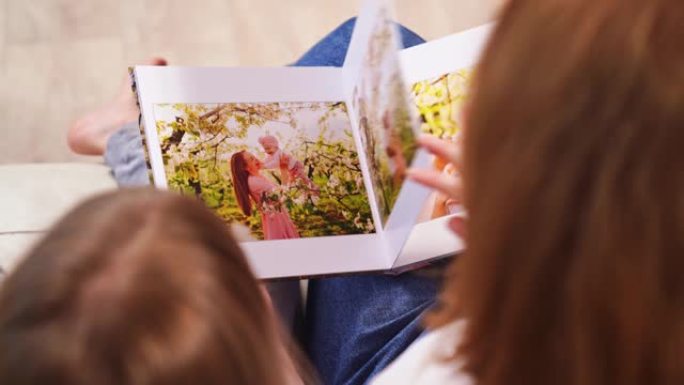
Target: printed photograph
(285, 170)
(385, 120)
(440, 102)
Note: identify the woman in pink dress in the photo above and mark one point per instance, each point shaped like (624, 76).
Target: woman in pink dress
(251, 186)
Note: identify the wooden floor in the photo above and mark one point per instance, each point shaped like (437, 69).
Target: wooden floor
(59, 58)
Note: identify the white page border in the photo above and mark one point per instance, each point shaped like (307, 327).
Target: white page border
(445, 55)
(273, 258)
(433, 239)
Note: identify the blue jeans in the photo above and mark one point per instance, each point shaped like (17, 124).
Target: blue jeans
(354, 326)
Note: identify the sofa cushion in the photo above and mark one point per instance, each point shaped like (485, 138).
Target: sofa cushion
(34, 196)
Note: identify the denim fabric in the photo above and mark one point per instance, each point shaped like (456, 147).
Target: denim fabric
(332, 49)
(355, 326)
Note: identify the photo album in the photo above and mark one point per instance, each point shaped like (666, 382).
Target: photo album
(313, 160)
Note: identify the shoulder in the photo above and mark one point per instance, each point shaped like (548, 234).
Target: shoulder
(427, 361)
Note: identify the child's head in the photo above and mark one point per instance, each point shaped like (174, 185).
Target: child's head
(269, 143)
(137, 287)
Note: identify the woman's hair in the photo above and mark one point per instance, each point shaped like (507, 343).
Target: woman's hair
(238, 168)
(137, 287)
(574, 177)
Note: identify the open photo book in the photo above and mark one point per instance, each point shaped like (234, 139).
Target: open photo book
(313, 160)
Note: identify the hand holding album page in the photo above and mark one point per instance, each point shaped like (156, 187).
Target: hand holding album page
(312, 160)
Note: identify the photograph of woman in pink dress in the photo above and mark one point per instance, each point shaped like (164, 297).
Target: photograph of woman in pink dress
(252, 187)
(284, 170)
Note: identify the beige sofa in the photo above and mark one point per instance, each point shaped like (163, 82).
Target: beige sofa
(34, 196)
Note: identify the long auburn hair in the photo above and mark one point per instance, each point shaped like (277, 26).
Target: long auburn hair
(138, 287)
(574, 177)
(238, 169)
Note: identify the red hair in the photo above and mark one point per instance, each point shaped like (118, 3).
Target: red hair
(238, 168)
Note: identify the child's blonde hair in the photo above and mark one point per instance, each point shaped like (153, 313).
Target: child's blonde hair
(268, 139)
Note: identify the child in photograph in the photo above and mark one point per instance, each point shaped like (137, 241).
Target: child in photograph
(276, 158)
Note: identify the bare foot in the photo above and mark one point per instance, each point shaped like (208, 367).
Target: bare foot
(89, 134)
